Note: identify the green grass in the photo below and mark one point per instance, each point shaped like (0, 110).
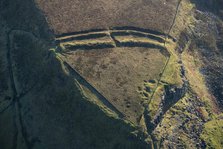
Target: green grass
(94, 99)
(155, 102)
(171, 74)
(56, 103)
(170, 123)
(213, 133)
(136, 39)
(118, 73)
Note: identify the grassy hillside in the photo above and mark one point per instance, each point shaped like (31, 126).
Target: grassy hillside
(110, 74)
(46, 109)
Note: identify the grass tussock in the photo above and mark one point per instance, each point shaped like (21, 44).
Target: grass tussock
(213, 133)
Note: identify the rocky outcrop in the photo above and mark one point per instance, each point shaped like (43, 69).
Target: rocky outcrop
(172, 95)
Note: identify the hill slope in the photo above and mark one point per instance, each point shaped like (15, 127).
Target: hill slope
(117, 74)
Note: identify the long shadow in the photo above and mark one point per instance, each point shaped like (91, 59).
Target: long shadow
(14, 91)
(16, 103)
(83, 37)
(79, 32)
(6, 108)
(142, 30)
(174, 20)
(140, 44)
(130, 28)
(137, 34)
(90, 46)
(162, 49)
(114, 33)
(85, 83)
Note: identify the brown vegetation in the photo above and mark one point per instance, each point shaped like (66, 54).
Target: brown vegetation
(79, 15)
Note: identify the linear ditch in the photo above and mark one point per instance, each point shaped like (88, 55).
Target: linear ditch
(155, 35)
(146, 112)
(123, 31)
(171, 27)
(127, 44)
(141, 44)
(142, 30)
(118, 44)
(16, 98)
(132, 28)
(90, 46)
(82, 37)
(79, 32)
(103, 99)
(85, 83)
(137, 34)
(174, 20)
(113, 33)
(14, 92)
(95, 35)
(17, 113)
(5, 108)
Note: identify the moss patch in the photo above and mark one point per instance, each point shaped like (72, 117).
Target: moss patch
(213, 133)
